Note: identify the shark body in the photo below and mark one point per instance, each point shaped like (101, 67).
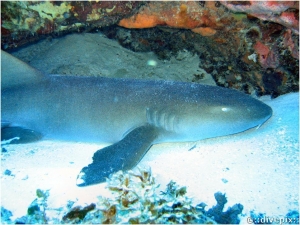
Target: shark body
(132, 114)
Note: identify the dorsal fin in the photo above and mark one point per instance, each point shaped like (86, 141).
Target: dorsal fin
(15, 72)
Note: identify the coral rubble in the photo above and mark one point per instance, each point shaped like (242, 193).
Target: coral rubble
(135, 200)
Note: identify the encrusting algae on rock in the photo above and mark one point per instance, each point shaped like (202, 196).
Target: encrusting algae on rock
(135, 200)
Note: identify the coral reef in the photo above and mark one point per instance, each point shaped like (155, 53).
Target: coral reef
(285, 13)
(28, 21)
(188, 15)
(36, 212)
(235, 48)
(5, 215)
(135, 200)
(230, 57)
(228, 217)
(242, 44)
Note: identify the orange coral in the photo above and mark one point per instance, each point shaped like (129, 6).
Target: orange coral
(139, 21)
(188, 15)
(204, 31)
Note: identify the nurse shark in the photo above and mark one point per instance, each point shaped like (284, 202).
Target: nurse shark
(130, 113)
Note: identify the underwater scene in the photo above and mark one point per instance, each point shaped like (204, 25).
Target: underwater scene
(149, 112)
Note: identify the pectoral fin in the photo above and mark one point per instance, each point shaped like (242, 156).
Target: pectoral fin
(122, 155)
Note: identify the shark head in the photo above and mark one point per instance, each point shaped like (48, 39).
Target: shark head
(226, 112)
